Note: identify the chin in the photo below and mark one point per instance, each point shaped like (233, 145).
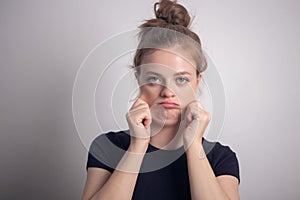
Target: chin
(166, 118)
(172, 122)
(166, 122)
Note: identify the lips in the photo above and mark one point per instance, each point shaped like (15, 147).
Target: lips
(169, 104)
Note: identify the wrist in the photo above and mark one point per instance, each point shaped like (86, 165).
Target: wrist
(138, 146)
(195, 143)
(196, 149)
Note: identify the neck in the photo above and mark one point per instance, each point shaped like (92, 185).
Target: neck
(169, 137)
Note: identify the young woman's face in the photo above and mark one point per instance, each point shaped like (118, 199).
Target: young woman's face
(168, 83)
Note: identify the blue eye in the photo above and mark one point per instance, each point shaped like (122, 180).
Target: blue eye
(153, 79)
(182, 80)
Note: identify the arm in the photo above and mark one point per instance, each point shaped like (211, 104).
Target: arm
(101, 184)
(119, 185)
(203, 182)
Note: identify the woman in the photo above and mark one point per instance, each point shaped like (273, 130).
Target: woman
(164, 154)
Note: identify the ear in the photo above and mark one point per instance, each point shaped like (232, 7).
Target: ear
(199, 76)
(137, 76)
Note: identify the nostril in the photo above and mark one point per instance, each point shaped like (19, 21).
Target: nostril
(167, 92)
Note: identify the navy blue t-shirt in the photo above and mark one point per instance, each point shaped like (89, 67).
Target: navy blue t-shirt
(164, 173)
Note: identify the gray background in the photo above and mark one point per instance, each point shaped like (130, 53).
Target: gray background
(254, 44)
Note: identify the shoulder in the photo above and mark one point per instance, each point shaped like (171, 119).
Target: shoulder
(222, 158)
(216, 149)
(120, 139)
(107, 149)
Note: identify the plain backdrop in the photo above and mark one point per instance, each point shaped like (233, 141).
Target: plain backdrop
(254, 44)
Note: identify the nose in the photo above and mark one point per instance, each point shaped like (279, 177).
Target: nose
(166, 92)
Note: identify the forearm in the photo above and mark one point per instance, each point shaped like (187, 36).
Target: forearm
(203, 182)
(122, 182)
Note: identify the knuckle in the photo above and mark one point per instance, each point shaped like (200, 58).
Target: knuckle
(128, 116)
(207, 116)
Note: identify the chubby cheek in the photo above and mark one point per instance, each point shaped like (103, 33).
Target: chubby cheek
(186, 96)
(149, 94)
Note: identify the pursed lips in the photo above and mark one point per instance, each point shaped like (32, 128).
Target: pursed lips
(169, 104)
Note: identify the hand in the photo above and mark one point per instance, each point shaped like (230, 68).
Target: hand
(196, 120)
(139, 120)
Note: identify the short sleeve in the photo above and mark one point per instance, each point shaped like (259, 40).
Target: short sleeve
(226, 162)
(94, 162)
(103, 153)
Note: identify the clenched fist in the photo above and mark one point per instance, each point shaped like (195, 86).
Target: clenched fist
(139, 120)
(196, 120)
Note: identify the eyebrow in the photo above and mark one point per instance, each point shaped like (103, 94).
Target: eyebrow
(183, 73)
(176, 74)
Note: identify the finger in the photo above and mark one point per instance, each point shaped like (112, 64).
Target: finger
(139, 114)
(196, 103)
(147, 122)
(143, 97)
(192, 111)
(139, 119)
(200, 105)
(140, 108)
(187, 116)
(138, 102)
(188, 120)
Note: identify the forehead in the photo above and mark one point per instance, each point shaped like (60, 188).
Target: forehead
(171, 61)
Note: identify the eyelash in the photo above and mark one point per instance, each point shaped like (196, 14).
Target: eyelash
(154, 80)
(150, 79)
(184, 78)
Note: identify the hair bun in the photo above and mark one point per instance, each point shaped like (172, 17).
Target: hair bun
(171, 12)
